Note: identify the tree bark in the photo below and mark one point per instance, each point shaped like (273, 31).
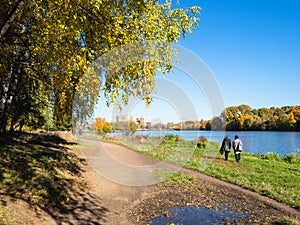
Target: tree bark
(10, 18)
(8, 89)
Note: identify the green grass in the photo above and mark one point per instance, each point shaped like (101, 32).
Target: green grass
(270, 175)
(286, 222)
(166, 176)
(279, 180)
(39, 169)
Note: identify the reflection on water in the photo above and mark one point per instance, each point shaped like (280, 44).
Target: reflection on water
(199, 215)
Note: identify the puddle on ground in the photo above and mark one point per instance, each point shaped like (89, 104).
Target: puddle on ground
(198, 215)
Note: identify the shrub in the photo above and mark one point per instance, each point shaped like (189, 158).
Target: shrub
(178, 138)
(172, 137)
(261, 155)
(202, 142)
(273, 157)
(289, 158)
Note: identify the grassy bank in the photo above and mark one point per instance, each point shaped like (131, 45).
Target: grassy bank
(270, 175)
(38, 169)
(278, 180)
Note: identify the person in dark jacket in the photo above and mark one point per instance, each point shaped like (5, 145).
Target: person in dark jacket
(237, 146)
(226, 146)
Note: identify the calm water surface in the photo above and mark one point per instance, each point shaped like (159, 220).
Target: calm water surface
(193, 215)
(254, 141)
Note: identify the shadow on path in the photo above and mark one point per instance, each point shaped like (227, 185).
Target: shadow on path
(42, 171)
(86, 209)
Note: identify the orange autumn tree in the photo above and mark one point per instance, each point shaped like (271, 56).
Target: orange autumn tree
(101, 126)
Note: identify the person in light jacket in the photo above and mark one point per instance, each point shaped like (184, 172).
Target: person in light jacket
(237, 146)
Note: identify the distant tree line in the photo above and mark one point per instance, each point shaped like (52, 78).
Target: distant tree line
(244, 118)
(234, 118)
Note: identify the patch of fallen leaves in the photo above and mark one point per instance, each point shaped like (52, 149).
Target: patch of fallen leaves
(202, 194)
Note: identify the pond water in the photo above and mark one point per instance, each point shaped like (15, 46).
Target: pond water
(253, 141)
(199, 215)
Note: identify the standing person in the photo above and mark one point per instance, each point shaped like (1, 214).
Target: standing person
(226, 146)
(237, 146)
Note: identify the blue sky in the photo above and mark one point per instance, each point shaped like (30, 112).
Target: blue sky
(253, 49)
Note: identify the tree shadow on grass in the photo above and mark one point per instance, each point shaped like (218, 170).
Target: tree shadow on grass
(41, 170)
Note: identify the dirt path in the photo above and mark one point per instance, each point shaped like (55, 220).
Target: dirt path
(116, 197)
(123, 178)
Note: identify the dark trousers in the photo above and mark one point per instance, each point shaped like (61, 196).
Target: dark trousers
(238, 157)
(226, 155)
